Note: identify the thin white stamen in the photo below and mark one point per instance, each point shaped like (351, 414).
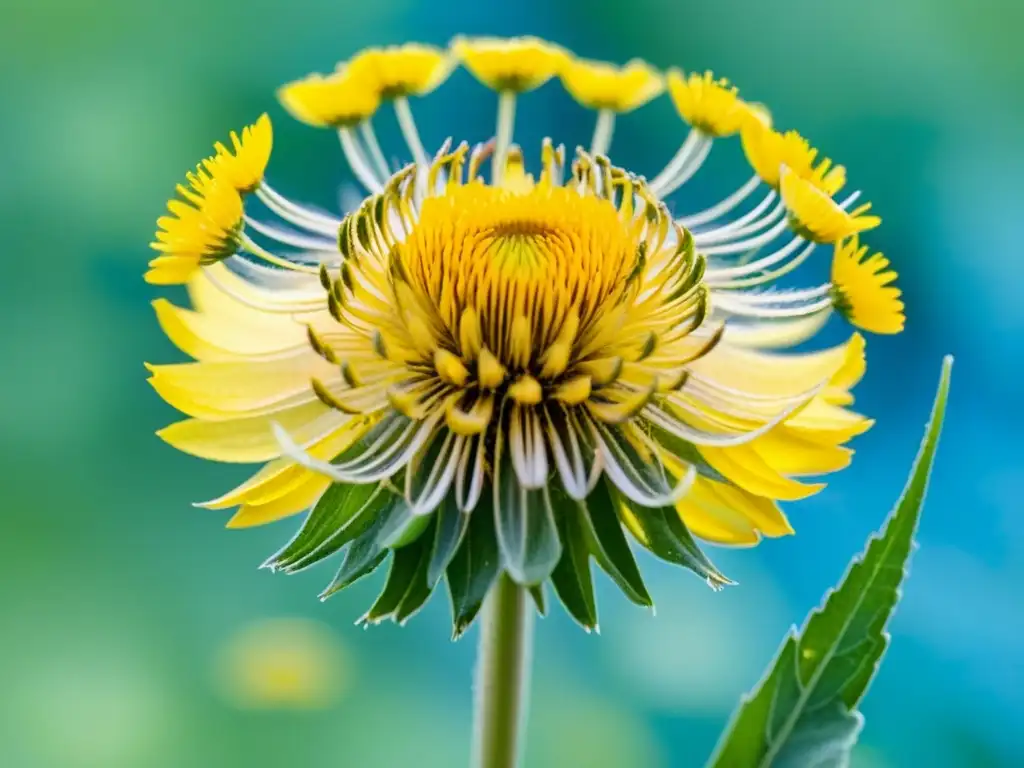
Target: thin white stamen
(693, 165)
(293, 239)
(408, 126)
(676, 163)
(850, 200)
(284, 308)
(262, 253)
(747, 224)
(774, 275)
(718, 276)
(781, 297)
(503, 134)
(737, 306)
(747, 245)
(370, 137)
(295, 213)
(720, 209)
(603, 129)
(357, 161)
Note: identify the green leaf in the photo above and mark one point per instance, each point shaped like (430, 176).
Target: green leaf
(525, 524)
(607, 543)
(665, 534)
(803, 713)
(343, 512)
(370, 548)
(449, 530)
(474, 568)
(406, 589)
(572, 578)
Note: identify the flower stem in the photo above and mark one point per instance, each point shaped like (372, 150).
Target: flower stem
(503, 134)
(502, 676)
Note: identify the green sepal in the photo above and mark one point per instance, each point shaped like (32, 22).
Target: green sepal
(608, 544)
(474, 567)
(450, 528)
(368, 550)
(690, 454)
(406, 589)
(343, 512)
(645, 472)
(804, 710)
(525, 526)
(666, 535)
(540, 600)
(572, 579)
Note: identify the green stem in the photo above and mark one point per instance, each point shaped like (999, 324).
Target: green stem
(502, 676)
(503, 134)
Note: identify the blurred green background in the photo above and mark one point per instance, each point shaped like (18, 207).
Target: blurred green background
(130, 620)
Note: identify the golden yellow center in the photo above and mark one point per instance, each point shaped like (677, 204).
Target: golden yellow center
(519, 261)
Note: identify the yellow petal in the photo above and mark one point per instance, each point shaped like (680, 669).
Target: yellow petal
(250, 440)
(510, 64)
(296, 500)
(864, 289)
(743, 466)
(599, 85)
(282, 475)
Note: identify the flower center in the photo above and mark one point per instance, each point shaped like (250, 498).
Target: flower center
(524, 264)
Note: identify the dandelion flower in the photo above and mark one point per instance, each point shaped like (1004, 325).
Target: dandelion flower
(503, 364)
(863, 287)
(707, 103)
(203, 227)
(515, 64)
(244, 164)
(598, 85)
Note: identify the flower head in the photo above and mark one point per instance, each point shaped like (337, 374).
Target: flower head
(403, 70)
(244, 164)
(769, 151)
(339, 99)
(503, 361)
(816, 215)
(863, 284)
(202, 227)
(708, 104)
(598, 85)
(517, 64)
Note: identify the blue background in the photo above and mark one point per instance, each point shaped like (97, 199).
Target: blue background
(118, 597)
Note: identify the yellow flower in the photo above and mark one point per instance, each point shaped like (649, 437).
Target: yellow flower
(598, 85)
(515, 64)
(768, 151)
(709, 105)
(340, 99)
(202, 228)
(863, 288)
(245, 165)
(491, 366)
(403, 70)
(817, 216)
(282, 664)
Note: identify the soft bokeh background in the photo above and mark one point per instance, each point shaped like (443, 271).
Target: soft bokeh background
(128, 618)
